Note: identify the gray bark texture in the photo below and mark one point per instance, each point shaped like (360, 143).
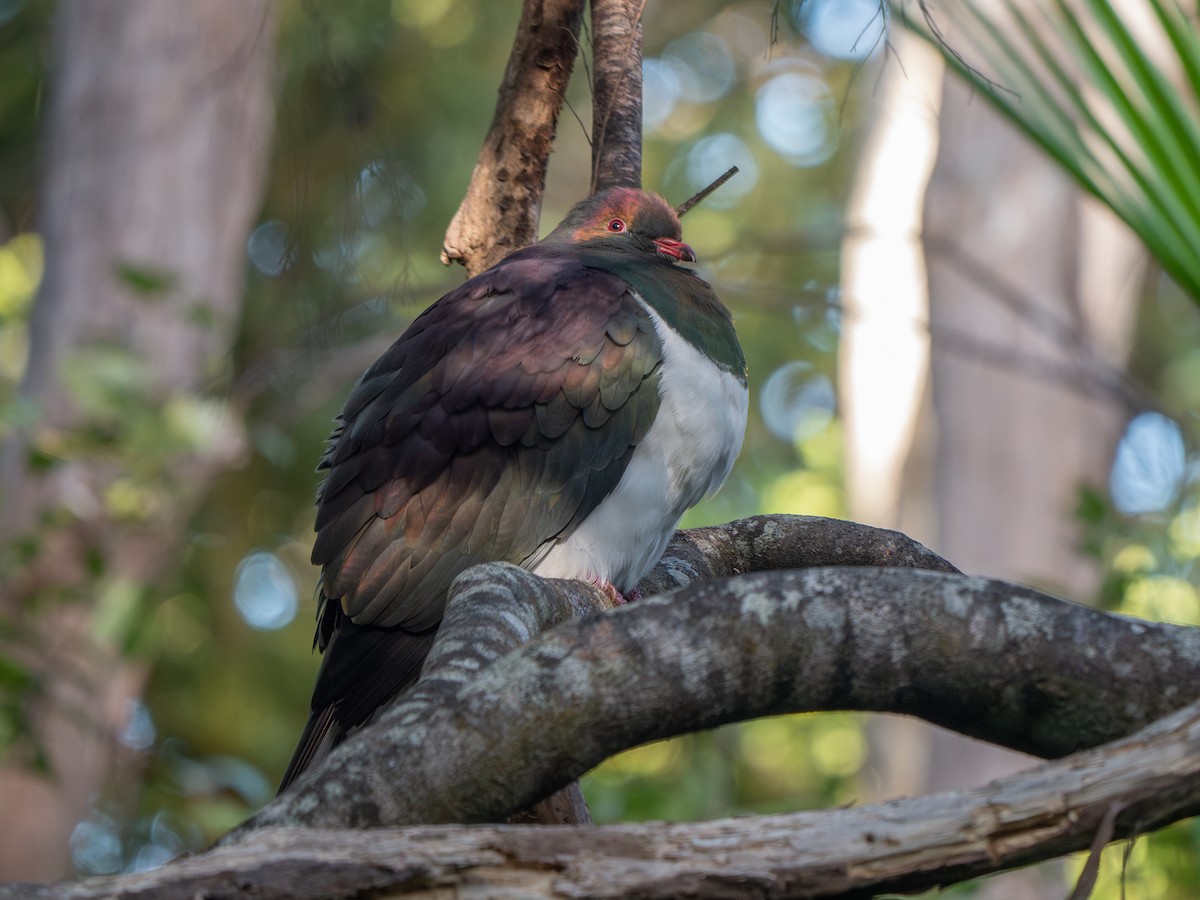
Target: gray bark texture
(616, 93)
(155, 134)
(516, 714)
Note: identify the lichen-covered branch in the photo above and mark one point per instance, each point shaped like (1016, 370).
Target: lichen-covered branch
(616, 93)
(500, 211)
(986, 658)
(1123, 789)
(764, 543)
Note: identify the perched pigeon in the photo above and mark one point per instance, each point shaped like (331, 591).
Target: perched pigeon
(559, 411)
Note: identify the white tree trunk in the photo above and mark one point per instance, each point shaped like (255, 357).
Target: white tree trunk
(1010, 424)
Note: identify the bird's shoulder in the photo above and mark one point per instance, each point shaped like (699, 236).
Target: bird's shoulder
(496, 341)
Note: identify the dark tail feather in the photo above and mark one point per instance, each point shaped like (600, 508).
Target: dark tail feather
(321, 734)
(362, 670)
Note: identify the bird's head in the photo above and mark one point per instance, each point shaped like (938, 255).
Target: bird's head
(625, 219)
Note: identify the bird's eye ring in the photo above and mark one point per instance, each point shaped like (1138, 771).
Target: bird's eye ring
(616, 226)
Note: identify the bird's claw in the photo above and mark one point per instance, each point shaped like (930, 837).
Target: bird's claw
(610, 591)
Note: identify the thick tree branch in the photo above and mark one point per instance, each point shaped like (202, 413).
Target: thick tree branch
(500, 211)
(1149, 780)
(616, 93)
(986, 658)
(481, 627)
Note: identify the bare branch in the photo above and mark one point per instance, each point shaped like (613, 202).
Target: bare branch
(1103, 837)
(1075, 361)
(699, 196)
(617, 93)
(500, 211)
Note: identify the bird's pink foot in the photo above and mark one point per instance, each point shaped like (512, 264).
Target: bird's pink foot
(610, 591)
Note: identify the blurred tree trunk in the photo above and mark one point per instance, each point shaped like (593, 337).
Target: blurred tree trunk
(154, 149)
(1031, 289)
(1021, 422)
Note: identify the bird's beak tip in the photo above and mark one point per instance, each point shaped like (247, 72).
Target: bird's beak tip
(675, 249)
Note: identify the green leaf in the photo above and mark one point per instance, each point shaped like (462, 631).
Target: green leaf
(146, 280)
(1091, 506)
(14, 677)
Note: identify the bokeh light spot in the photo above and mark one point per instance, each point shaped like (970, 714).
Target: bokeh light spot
(795, 402)
(264, 592)
(268, 248)
(1134, 558)
(705, 66)
(139, 731)
(1163, 598)
(805, 493)
(9, 9)
(420, 13)
(151, 856)
(96, 846)
(843, 29)
(794, 111)
(648, 761)
(744, 35)
(384, 192)
(660, 91)
(1150, 465)
(21, 265)
(1184, 532)
(772, 747)
(839, 748)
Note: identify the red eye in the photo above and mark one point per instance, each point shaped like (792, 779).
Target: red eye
(616, 225)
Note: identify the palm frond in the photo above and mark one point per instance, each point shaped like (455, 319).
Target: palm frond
(1115, 105)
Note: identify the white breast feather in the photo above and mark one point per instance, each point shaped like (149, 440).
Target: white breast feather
(686, 455)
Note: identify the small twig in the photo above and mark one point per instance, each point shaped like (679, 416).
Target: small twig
(1085, 367)
(582, 124)
(704, 192)
(1091, 869)
(938, 38)
(774, 37)
(1125, 862)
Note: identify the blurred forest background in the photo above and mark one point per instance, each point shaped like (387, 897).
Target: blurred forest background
(945, 336)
